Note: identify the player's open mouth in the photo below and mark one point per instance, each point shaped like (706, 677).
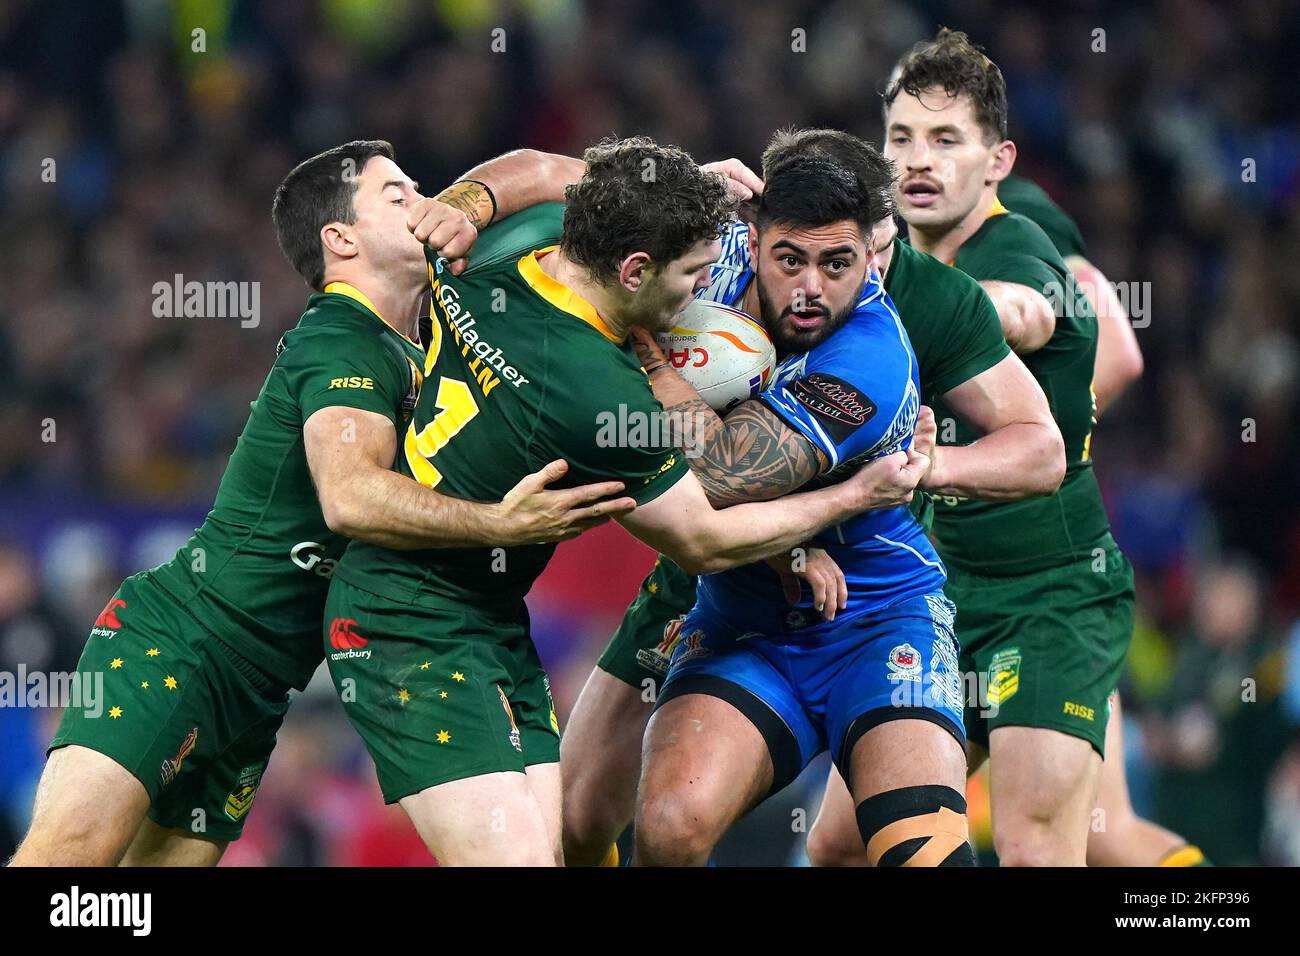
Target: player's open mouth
(921, 193)
(807, 320)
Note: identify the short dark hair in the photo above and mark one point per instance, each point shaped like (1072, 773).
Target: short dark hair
(638, 196)
(316, 192)
(951, 61)
(807, 194)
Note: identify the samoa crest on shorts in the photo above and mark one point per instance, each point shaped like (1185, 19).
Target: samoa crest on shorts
(904, 663)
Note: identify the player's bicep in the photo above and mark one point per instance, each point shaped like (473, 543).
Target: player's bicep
(342, 442)
(1003, 395)
(755, 456)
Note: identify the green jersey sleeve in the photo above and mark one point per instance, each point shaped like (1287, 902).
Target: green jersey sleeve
(1021, 253)
(534, 228)
(1027, 198)
(333, 365)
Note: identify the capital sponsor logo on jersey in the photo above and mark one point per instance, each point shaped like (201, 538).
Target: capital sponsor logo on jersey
(842, 408)
(307, 555)
(514, 730)
(172, 768)
(904, 663)
(353, 381)
(108, 623)
(658, 657)
(346, 641)
(1004, 675)
(693, 646)
(240, 799)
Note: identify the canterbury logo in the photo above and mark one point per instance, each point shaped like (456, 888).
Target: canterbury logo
(342, 635)
(108, 616)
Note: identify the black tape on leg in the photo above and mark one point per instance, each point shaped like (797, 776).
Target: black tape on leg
(916, 826)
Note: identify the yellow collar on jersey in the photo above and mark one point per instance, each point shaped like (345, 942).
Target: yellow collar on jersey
(356, 295)
(560, 295)
(997, 209)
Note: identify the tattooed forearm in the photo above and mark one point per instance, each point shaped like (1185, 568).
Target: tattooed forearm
(472, 198)
(750, 456)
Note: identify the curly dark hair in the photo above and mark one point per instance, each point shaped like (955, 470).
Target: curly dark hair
(638, 196)
(316, 192)
(951, 61)
(789, 158)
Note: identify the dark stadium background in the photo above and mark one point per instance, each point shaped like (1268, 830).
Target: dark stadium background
(166, 160)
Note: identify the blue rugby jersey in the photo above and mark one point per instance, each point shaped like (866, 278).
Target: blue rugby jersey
(856, 397)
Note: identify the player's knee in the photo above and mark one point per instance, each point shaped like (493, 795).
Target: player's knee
(828, 847)
(674, 829)
(916, 826)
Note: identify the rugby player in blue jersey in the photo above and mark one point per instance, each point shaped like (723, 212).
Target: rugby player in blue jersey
(757, 688)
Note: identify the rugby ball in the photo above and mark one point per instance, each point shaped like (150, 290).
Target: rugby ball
(723, 353)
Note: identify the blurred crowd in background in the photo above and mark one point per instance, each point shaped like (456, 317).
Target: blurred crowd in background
(1171, 136)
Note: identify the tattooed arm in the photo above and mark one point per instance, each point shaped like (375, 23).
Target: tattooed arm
(511, 182)
(752, 454)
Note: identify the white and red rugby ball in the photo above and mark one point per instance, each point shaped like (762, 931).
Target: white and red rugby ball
(724, 354)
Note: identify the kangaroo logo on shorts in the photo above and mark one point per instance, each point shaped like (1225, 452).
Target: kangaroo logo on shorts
(904, 663)
(172, 768)
(107, 624)
(514, 730)
(348, 642)
(1004, 675)
(239, 800)
(657, 658)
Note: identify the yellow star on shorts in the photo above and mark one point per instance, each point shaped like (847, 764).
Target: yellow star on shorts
(443, 736)
(115, 663)
(425, 666)
(144, 685)
(653, 587)
(403, 695)
(458, 676)
(152, 652)
(442, 694)
(115, 712)
(170, 682)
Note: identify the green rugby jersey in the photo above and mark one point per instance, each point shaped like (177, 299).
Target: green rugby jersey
(952, 324)
(520, 371)
(953, 328)
(1027, 198)
(1044, 531)
(257, 571)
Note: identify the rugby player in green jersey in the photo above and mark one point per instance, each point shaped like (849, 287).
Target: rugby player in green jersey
(198, 655)
(430, 650)
(961, 356)
(1125, 839)
(1045, 598)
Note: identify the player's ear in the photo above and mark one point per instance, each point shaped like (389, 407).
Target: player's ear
(337, 238)
(752, 237)
(633, 271)
(1004, 157)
